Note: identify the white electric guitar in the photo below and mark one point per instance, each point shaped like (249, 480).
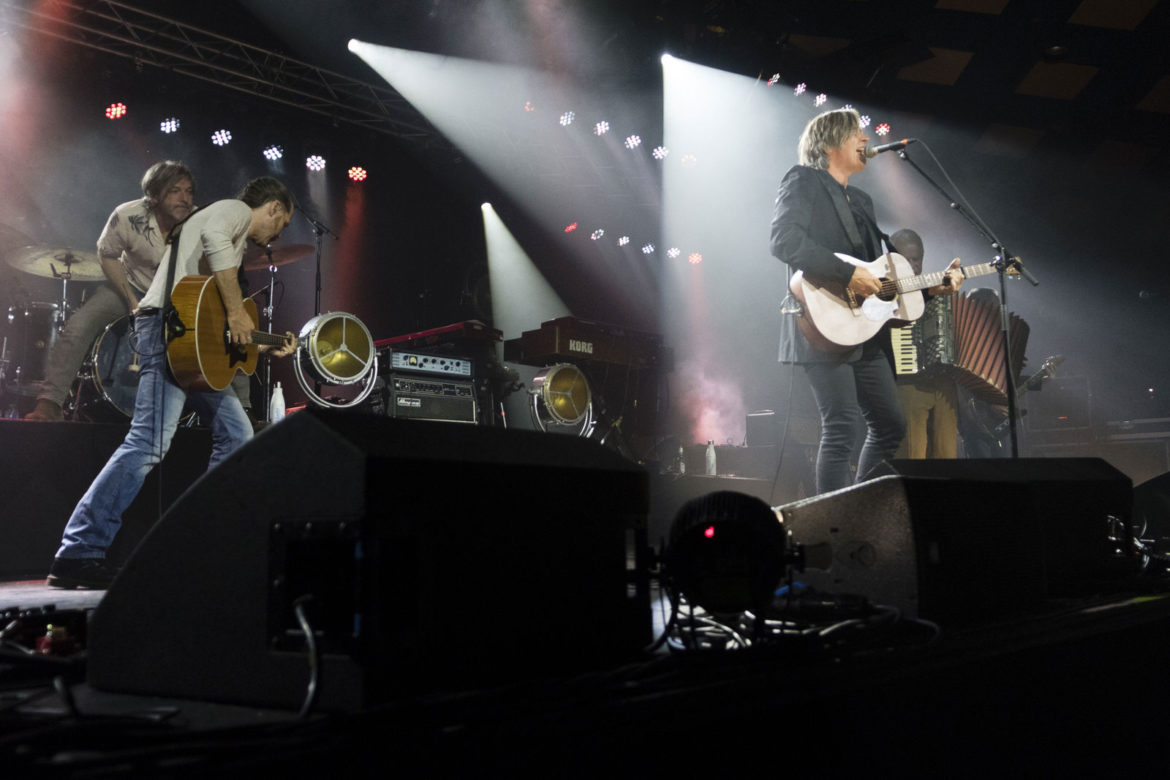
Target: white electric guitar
(836, 319)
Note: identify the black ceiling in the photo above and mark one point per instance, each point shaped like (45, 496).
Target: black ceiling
(1090, 75)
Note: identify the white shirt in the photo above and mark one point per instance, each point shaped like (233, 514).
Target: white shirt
(132, 235)
(212, 239)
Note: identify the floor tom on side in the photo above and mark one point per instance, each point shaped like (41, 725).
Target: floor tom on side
(29, 333)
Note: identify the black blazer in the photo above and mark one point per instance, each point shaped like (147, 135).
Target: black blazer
(808, 226)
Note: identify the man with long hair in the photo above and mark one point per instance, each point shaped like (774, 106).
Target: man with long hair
(818, 214)
(213, 238)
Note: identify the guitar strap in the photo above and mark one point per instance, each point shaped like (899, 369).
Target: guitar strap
(844, 213)
(173, 327)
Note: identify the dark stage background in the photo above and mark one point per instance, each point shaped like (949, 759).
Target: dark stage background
(1071, 177)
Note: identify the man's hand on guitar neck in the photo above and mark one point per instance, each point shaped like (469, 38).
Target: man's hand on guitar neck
(952, 280)
(864, 283)
(289, 346)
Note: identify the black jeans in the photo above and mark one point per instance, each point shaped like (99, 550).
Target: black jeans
(845, 393)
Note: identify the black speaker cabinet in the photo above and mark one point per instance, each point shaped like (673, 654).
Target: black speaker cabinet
(424, 556)
(959, 541)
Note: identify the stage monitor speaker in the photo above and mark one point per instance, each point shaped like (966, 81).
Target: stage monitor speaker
(1084, 507)
(967, 541)
(425, 557)
(1151, 520)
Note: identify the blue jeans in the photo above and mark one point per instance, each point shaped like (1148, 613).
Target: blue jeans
(845, 393)
(157, 408)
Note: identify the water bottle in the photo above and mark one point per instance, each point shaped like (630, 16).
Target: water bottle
(681, 461)
(711, 457)
(276, 405)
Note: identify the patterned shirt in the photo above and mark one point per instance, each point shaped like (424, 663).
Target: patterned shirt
(131, 234)
(213, 239)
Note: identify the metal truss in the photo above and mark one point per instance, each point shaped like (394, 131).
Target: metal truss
(150, 39)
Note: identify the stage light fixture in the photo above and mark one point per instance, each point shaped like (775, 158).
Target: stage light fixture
(116, 111)
(665, 58)
(528, 107)
(882, 129)
(623, 240)
(169, 125)
(561, 397)
(689, 161)
(597, 234)
(315, 162)
(774, 80)
(570, 228)
(567, 118)
(357, 173)
(633, 141)
(221, 137)
(601, 128)
(673, 252)
(648, 249)
(727, 553)
(695, 258)
(273, 152)
(336, 349)
(800, 88)
(865, 120)
(820, 99)
(660, 152)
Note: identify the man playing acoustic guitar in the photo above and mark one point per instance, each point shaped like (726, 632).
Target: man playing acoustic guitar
(817, 216)
(211, 240)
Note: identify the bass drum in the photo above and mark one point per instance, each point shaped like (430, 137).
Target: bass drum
(108, 383)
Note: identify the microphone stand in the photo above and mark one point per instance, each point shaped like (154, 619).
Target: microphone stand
(319, 229)
(1003, 261)
(269, 314)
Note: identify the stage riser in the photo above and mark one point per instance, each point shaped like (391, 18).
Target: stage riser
(45, 468)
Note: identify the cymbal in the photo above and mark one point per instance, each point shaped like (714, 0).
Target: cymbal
(53, 263)
(256, 257)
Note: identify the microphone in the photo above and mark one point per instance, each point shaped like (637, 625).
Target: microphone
(874, 151)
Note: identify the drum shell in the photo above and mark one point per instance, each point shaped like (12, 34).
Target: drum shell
(29, 335)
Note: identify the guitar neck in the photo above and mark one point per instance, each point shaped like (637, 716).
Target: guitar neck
(267, 339)
(923, 281)
(261, 337)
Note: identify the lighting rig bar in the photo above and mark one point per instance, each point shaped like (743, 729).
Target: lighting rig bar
(150, 39)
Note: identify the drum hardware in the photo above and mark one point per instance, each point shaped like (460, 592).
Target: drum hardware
(261, 258)
(68, 265)
(335, 349)
(258, 258)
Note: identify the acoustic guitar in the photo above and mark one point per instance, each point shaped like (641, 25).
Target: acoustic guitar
(836, 319)
(202, 356)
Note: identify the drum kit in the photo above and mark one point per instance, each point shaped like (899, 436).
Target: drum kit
(107, 382)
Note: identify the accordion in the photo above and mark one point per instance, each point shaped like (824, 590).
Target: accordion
(960, 337)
